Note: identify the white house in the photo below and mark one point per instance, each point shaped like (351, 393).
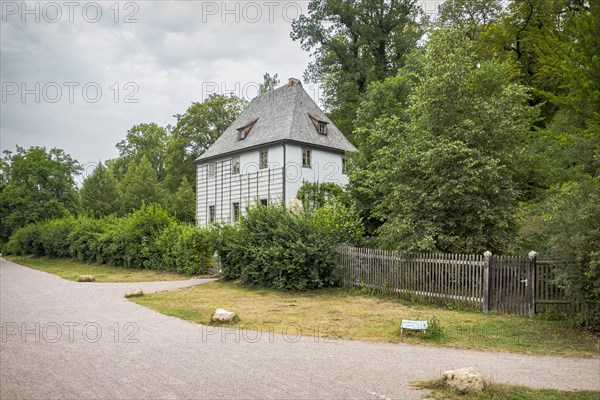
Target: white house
(279, 141)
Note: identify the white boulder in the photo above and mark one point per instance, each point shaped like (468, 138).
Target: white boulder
(86, 278)
(222, 315)
(464, 380)
(134, 293)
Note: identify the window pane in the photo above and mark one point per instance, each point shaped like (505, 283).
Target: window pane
(264, 159)
(306, 161)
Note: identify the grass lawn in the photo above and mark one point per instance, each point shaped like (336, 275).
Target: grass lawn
(495, 391)
(71, 269)
(349, 314)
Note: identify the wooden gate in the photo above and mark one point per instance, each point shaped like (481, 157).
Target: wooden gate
(508, 284)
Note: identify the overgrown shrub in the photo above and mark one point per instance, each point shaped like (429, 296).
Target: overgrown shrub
(111, 242)
(230, 249)
(274, 248)
(146, 238)
(142, 229)
(343, 221)
(83, 239)
(186, 248)
(54, 235)
(26, 240)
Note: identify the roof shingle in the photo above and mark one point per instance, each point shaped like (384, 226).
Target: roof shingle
(282, 114)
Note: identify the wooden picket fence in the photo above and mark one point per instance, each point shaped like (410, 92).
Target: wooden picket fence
(491, 283)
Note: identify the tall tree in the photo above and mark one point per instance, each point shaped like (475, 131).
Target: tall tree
(471, 16)
(269, 83)
(143, 140)
(573, 63)
(384, 104)
(140, 186)
(449, 179)
(355, 42)
(183, 203)
(100, 193)
(194, 132)
(39, 185)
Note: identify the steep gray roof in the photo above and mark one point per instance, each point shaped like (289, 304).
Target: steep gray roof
(282, 114)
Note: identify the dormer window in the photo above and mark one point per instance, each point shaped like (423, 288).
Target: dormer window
(244, 130)
(320, 126)
(323, 128)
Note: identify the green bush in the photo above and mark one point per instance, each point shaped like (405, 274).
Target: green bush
(83, 239)
(274, 248)
(142, 229)
(186, 248)
(54, 235)
(343, 221)
(111, 242)
(26, 240)
(229, 245)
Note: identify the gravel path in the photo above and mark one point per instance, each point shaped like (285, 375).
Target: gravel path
(69, 340)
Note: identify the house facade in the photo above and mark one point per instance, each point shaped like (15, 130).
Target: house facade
(279, 141)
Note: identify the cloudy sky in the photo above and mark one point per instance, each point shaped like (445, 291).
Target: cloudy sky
(78, 75)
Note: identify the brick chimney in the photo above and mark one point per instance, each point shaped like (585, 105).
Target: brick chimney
(293, 81)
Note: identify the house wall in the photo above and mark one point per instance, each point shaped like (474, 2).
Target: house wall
(326, 167)
(252, 184)
(223, 188)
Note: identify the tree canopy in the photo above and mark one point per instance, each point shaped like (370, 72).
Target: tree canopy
(39, 184)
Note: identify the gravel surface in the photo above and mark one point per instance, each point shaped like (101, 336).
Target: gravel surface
(68, 340)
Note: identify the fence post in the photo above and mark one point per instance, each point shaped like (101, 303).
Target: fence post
(531, 278)
(487, 261)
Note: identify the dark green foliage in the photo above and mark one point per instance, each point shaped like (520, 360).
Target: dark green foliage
(229, 245)
(54, 235)
(567, 226)
(26, 240)
(274, 248)
(140, 186)
(83, 239)
(112, 242)
(142, 141)
(183, 202)
(142, 229)
(100, 193)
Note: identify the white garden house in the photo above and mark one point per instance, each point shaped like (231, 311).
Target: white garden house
(279, 141)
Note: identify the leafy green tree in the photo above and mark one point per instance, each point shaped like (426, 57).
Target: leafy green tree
(449, 178)
(140, 186)
(472, 16)
(183, 202)
(194, 132)
(143, 140)
(572, 62)
(100, 193)
(355, 42)
(39, 185)
(385, 103)
(269, 83)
